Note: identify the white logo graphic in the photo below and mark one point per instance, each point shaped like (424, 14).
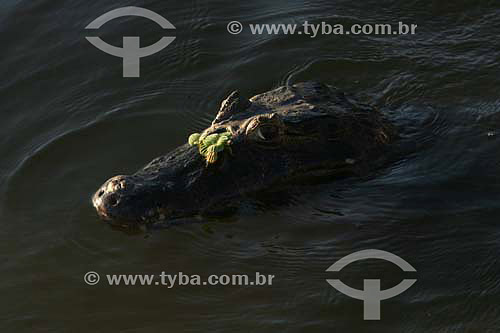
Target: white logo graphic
(371, 294)
(234, 27)
(91, 278)
(131, 51)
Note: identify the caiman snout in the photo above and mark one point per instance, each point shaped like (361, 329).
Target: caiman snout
(107, 200)
(135, 200)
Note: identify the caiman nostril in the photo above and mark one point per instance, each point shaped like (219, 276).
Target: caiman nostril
(113, 201)
(101, 192)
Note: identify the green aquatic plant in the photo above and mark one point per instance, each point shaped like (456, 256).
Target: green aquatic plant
(210, 145)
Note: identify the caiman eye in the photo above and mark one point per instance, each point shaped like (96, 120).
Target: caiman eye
(267, 133)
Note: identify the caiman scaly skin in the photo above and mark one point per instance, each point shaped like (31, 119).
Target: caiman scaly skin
(305, 131)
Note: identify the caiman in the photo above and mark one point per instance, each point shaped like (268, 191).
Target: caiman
(285, 136)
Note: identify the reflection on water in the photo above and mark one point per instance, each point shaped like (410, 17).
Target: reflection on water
(70, 121)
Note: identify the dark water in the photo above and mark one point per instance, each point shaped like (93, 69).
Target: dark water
(69, 121)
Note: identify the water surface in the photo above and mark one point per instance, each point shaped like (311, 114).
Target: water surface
(70, 121)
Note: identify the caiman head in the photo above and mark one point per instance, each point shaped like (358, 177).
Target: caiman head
(290, 134)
